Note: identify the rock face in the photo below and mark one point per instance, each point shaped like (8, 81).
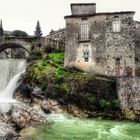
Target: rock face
(51, 106)
(7, 131)
(23, 115)
(17, 117)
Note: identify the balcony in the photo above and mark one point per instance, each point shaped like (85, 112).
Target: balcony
(84, 37)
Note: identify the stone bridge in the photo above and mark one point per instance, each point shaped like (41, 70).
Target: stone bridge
(19, 42)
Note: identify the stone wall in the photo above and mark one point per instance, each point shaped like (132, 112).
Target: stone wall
(137, 47)
(105, 45)
(129, 92)
(120, 45)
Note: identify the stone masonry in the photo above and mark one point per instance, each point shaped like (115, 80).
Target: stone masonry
(129, 92)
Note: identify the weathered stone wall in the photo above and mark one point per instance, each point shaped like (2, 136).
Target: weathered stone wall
(120, 45)
(137, 47)
(129, 92)
(105, 45)
(74, 44)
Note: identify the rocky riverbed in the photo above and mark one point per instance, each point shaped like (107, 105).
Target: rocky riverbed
(16, 117)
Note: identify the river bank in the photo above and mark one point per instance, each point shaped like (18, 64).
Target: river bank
(50, 87)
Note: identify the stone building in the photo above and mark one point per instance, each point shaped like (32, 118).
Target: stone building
(56, 39)
(102, 43)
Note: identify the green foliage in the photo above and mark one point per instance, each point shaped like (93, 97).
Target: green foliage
(64, 87)
(42, 63)
(19, 33)
(109, 103)
(57, 58)
(92, 99)
(116, 103)
(38, 32)
(104, 103)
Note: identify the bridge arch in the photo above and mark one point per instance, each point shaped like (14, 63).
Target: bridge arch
(13, 50)
(5, 46)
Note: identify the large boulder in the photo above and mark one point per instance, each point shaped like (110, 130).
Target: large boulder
(22, 115)
(51, 106)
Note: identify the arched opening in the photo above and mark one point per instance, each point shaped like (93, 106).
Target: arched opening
(13, 50)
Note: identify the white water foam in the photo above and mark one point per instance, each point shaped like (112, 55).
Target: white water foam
(10, 76)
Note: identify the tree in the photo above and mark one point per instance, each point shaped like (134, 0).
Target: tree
(1, 29)
(19, 33)
(38, 32)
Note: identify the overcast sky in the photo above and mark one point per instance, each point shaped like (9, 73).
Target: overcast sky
(23, 14)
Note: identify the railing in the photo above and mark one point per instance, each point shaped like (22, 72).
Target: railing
(84, 37)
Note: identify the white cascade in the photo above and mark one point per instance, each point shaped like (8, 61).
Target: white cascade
(10, 72)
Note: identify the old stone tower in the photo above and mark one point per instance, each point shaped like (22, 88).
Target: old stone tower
(100, 42)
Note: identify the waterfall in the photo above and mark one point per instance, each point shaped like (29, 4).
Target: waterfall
(10, 71)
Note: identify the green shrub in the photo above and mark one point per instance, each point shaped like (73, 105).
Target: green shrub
(19, 33)
(42, 63)
(92, 100)
(59, 72)
(104, 103)
(116, 103)
(64, 88)
(56, 57)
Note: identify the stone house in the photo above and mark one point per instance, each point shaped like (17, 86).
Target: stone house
(56, 39)
(102, 43)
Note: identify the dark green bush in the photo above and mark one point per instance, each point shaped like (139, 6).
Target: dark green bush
(48, 49)
(19, 33)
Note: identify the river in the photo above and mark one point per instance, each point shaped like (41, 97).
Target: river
(66, 127)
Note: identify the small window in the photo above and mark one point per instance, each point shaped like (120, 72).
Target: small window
(118, 62)
(116, 25)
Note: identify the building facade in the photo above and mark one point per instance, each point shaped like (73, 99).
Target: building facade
(100, 42)
(56, 39)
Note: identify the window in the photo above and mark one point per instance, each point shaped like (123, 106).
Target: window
(86, 53)
(118, 62)
(116, 25)
(84, 31)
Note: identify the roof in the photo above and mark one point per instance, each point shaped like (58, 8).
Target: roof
(103, 13)
(56, 32)
(79, 4)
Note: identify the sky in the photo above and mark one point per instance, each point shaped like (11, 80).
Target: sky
(23, 14)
